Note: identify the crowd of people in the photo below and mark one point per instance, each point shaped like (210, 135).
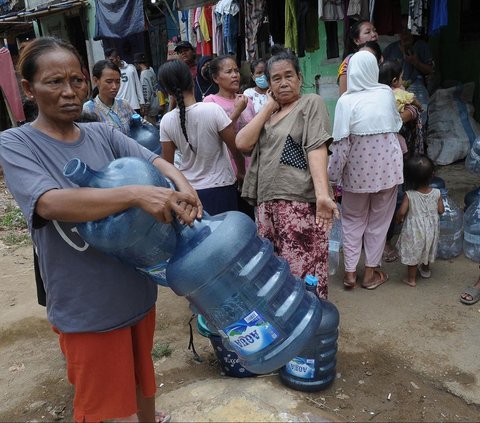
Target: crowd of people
(268, 151)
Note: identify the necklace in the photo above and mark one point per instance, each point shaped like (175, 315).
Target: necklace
(200, 88)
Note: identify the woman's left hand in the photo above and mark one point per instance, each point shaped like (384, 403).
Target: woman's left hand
(326, 211)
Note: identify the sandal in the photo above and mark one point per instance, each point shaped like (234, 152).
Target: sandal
(349, 284)
(473, 292)
(425, 274)
(390, 256)
(161, 417)
(375, 283)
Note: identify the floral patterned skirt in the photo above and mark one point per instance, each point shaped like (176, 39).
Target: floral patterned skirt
(290, 226)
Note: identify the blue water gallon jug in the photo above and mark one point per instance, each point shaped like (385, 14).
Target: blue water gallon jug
(472, 161)
(232, 277)
(314, 368)
(133, 236)
(450, 241)
(145, 134)
(335, 244)
(437, 182)
(471, 234)
(471, 196)
(228, 359)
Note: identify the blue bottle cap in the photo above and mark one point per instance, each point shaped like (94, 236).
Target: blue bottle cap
(311, 280)
(136, 116)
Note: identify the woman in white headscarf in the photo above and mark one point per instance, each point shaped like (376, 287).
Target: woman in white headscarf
(367, 162)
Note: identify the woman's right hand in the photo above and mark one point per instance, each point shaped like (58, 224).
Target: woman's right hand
(240, 103)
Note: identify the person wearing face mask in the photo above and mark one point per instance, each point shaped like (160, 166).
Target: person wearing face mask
(258, 94)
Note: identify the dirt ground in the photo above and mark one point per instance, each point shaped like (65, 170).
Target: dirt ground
(405, 354)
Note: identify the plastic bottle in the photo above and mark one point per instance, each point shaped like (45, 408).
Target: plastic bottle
(437, 182)
(471, 234)
(450, 241)
(144, 134)
(335, 244)
(472, 161)
(314, 368)
(471, 196)
(247, 293)
(133, 236)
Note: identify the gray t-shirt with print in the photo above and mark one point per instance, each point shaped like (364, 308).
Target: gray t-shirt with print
(87, 291)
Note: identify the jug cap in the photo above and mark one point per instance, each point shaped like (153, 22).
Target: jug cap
(311, 280)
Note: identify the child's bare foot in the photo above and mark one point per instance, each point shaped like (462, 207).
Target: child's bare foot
(410, 282)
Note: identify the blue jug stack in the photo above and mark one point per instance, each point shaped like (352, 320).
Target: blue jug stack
(314, 368)
(228, 274)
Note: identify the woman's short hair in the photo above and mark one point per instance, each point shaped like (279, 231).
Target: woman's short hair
(27, 62)
(104, 64)
(353, 34)
(255, 63)
(286, 55)
(217, 62)
(418, 171)
(388, 71)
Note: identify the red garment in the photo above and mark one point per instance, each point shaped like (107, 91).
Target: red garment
(9, 85)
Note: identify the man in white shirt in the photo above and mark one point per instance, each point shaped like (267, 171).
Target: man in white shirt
(130, 87)
(148, 80)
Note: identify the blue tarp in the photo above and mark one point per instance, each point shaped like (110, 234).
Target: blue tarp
(118, 18)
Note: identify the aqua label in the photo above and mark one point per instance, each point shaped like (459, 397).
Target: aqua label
(251, 334)
(301, 367)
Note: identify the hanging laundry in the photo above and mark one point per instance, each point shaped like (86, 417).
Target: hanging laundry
(118, 18)
(331, 10)
(192, 35)
(254, 13)
(217, 31)
(9, 86)
(438, 16)
(276, 20)
(388, 17)
(229, 11)
(416, 16)
(307, 25)
(359, 9)
(291, 31)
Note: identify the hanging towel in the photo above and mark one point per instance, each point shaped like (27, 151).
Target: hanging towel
(291, 31)
(9, 85)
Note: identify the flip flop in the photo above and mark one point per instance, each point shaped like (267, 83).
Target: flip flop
(390, 257)
(473, 292)
(425, 274)
(158, 417)
(349, 284)
(382, 278)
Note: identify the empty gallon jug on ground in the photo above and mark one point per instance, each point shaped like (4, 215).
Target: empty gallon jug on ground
(437, 182)
(450, 241)
(335, 244)
(145, 134)
(471, 196)
(472, 161)
(133, 236)
(471, 234)
(314, 368)
(232, 277)
(228, 359)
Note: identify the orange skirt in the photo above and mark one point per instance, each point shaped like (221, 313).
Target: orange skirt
(107, 367)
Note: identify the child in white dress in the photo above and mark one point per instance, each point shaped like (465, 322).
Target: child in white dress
(419, 213)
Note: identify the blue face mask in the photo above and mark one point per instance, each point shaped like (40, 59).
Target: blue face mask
(261, 82)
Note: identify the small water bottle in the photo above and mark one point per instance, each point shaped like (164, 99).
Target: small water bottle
(335, 244)
(472, 161)
(145, 134)
(133, 236)
(471, 234)
(314, 368)
(450, 241)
